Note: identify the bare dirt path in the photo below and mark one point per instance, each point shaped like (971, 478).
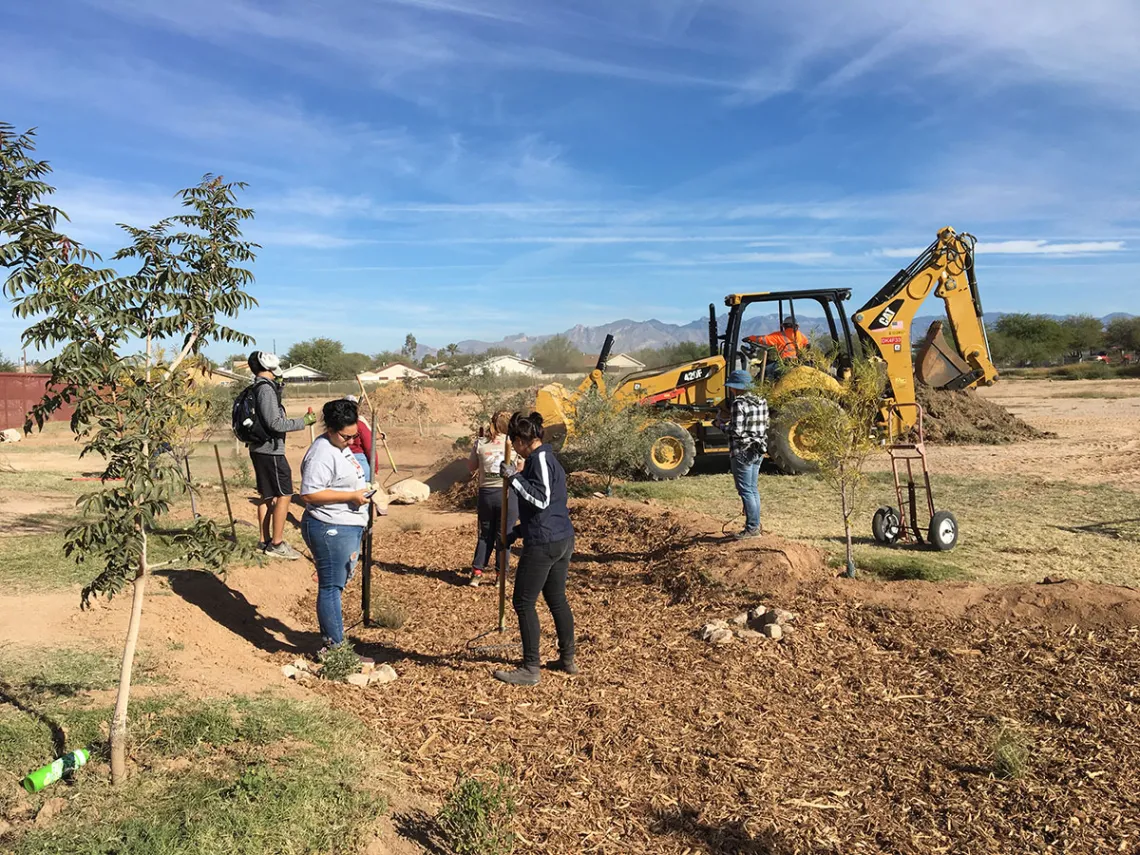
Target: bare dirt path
(1097, 442)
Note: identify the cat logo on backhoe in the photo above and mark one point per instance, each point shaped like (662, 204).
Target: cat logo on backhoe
(887, 315)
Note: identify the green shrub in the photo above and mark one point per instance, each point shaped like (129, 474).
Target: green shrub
(476, 816)
(389, 615)
(339, 661)
(1010, 754)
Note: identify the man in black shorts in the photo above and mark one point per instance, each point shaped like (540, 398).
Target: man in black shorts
(274, 478)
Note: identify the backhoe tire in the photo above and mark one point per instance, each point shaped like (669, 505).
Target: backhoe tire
(788, 448)
(672, 452)
(886, 525)
(943, 532)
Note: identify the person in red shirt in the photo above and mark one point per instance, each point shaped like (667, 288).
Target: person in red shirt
(361, 445)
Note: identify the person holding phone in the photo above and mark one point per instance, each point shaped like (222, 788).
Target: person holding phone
(336, 495)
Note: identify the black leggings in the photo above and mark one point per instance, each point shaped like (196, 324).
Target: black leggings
(490, 519)
(543, 568)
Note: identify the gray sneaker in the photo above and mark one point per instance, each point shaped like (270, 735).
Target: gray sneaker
(748, 533)
(282, 550)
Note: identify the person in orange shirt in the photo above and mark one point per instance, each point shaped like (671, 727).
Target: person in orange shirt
(788, 341)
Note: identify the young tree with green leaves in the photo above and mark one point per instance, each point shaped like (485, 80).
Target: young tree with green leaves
(843, 439)
(7, 364)
(129, 392)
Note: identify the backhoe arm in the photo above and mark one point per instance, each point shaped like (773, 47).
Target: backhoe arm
(885, 322)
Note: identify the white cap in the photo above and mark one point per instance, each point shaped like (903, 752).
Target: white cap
(268, 361)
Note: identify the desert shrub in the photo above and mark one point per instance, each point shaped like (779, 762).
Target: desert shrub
(389, 614)
(1009, 754)
(475, 818)
(608, 439)
(339, 661)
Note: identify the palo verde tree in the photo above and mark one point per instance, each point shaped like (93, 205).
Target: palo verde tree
(609, 439)
(843, 439)
(112, 334)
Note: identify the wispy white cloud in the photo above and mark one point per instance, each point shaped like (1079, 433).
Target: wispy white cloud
(1024, 247)
(768, 258)
(303, 239)
(758, 48)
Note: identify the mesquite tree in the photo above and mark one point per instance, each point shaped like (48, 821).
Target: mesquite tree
(843, 439)
(125, 344)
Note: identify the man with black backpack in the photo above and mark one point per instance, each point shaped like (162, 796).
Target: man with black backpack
(259, 421)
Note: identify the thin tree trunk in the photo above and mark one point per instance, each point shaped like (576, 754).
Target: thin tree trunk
(119, 721)
(847, 530)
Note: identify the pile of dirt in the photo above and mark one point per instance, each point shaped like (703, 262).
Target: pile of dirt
(966, 418)
(1058, 605)
(868, 729)
(398, 404)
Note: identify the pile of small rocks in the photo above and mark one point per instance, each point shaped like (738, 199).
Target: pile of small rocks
(762, 622)
(305, 672)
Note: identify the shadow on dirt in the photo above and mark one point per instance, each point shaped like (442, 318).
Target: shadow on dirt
(729, 838)
(232, 610)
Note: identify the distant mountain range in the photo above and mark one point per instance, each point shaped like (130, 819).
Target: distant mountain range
(632, 335)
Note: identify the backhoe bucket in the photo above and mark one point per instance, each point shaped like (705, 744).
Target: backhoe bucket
(937, 363)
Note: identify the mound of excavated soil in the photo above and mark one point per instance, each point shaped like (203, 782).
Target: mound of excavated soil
(966, 418)
(396, 404)
(1056, 605)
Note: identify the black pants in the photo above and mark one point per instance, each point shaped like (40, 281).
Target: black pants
(543, 568)
(490, 519)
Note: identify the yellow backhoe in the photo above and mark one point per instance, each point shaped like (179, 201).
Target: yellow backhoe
(687, 395)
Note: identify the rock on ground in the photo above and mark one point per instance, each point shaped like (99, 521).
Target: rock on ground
(10, 435)
(773, 631)
(357, 679)
(709, 628)
(409, 492)
(383, 674)
(722, 636)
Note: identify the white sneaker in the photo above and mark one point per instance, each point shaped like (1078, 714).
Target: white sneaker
(282, 550)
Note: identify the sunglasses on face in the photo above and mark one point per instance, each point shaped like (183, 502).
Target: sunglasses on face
(348, 437)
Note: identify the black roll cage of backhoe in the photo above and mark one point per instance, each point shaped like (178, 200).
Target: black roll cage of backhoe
(728, 344)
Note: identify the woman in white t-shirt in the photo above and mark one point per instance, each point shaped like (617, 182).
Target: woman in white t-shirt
(333, 489)
(486, 455)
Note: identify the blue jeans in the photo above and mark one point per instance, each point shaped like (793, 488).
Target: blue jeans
(362, 459)
(745, 473)
(334, 549)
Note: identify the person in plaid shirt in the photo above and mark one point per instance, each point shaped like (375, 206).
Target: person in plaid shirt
(747, 429)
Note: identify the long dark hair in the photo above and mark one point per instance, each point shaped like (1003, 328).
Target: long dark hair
(339, 414)
(526, 428)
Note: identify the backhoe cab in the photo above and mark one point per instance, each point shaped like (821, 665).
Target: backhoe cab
(688, 395)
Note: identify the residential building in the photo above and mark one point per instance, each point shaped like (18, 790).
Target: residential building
(301, 373)
(623, 362)
(395, 371)
(504, 365)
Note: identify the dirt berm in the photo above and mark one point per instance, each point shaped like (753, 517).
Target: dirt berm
(966, 418)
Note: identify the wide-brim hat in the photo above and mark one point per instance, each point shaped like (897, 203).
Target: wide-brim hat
(738, 379)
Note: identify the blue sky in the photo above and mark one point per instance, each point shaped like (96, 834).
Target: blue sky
(474, 168)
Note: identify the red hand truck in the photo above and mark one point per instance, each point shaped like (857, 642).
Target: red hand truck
(892, 525)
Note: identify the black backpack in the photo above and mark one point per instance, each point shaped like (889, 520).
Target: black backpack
(246, 423)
